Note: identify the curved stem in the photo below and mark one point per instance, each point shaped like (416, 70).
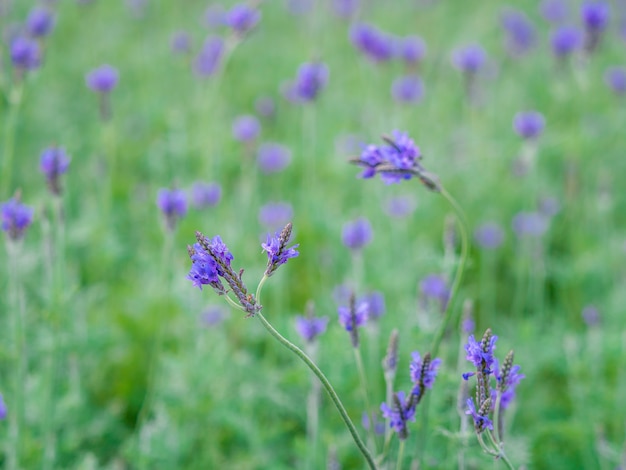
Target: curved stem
(448, 314)
(500, 452)
(322, 378)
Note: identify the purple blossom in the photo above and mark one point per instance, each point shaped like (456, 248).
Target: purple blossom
(554, 11)
(529, 124)
(205, 194)
(273, 157)
(489, 235)
(520, 32)
(275, 215)
(591, 315)
(565, 40)
(203, 268)
(311, 79)
(480, 353)
(173, 205)
(468, 325)
(209, 59)
(241, 18)
(379, 426)
(595, 15)
(481, 422)
(411, 49)
(246, 128)
(469, 59)
(529, 224)
(407, 89)
(376, 304)
(16, 217)
(357, 234)
(25, 53)
(277, 251)
(40, 22)
(512, 379)
(353, 318)
(615, 78)
(400, 206)
(181, 42)
(212, 316)
(310, 327)
(399, 414)
(435, 287)
(373, 43)
(53, 162)
(345, 8)
(549, 206)
(419, 374)
(3, 408)
(102, 79)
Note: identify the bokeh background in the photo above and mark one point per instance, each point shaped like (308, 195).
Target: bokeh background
(124, 364)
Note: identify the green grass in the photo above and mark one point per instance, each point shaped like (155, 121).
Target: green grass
(229, 396)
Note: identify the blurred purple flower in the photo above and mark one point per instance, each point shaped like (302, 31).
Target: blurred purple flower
(173, 205)
(357, 234)
(310, 327)
(275, 215)
(241, 18)
(54, 162)
(352, 322)
(376, 304)
(277, 251)
(181, 42)
(208, 60)
(529, 224)
(205, 194)
(246, 128)
(379, 425)
(529, 124)
(549, 206)
(272, 157)
(434, 287)
(468, 325)
(399, 414)
(554, 11)
(40, 22)
(565, 40)
(265, 106)
(469, 59)
(16, 217)
(520, 32)
(341, 294)
(3, 408)
(489, 235)
(25, 53)
(407, 89)
(375, 44)
(591, 315)
(212, 316)
(400, 206)
(102, 79)
(595, 15)
(411, 49)
(312, 77)
(345, 9)
(615, 78)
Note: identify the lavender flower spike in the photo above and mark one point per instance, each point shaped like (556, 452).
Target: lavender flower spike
(102, 79)
(53, 163)
(352, 317)
(423, 373)
(25, 54)
(173, 205)
(508, 379)
(529, 125)
(310, 327)
(16, 217)
(241, 18)
(357, 234)
(3, 408)
(399, 414)
(277, 251)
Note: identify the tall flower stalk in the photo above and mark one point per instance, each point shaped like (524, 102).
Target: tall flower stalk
(8, 148)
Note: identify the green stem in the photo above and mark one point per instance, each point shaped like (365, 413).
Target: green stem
(366, 401)
(15, 100)
(500, 452)
(448, 314)
(400, 455)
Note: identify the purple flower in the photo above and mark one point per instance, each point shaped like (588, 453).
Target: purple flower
(595, 15)
(529, 124)
(205, 194)
(565, 40)
(345, 8)
(591, 315)
(469, 59)
(520, 32)
(411, 49)
(173, 205)
(549, 206)
(40, 22)
(352, 317)
(342, 294)
(615, 78)
(102, 79)
(25, 53)
(481, 353)
(376, 304)
(212, 316)
(356, 234)
(421, 374)
(489, 235)
(3, 408)
(373, 43)
(16, 217)
(310, 327)
(407, 89)
(209, 59)
(435, 287)
(554, 11)
(275, 215)
(481, 421)
(312, 77)
(181, 42)
(277, 251)
(53, 163)
(203, 268)
(241, 18)
(529, 224)
(400, 206)
(246, 128)
(399, 414)
(508, 379)
(272, 157)
(379, 426)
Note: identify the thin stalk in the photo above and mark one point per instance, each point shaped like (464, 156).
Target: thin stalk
(15, 100)
(500, 452)
(312, 412)
(389, 379)
(366, 402)
(400, 455)
(322, 378)
(448, 313)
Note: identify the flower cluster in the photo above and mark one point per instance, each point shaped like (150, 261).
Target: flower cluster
(352, 316)
(398, 160)
(16, 217)
(277, 251)
(311, 79)
(54, 161)
(423, 371)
